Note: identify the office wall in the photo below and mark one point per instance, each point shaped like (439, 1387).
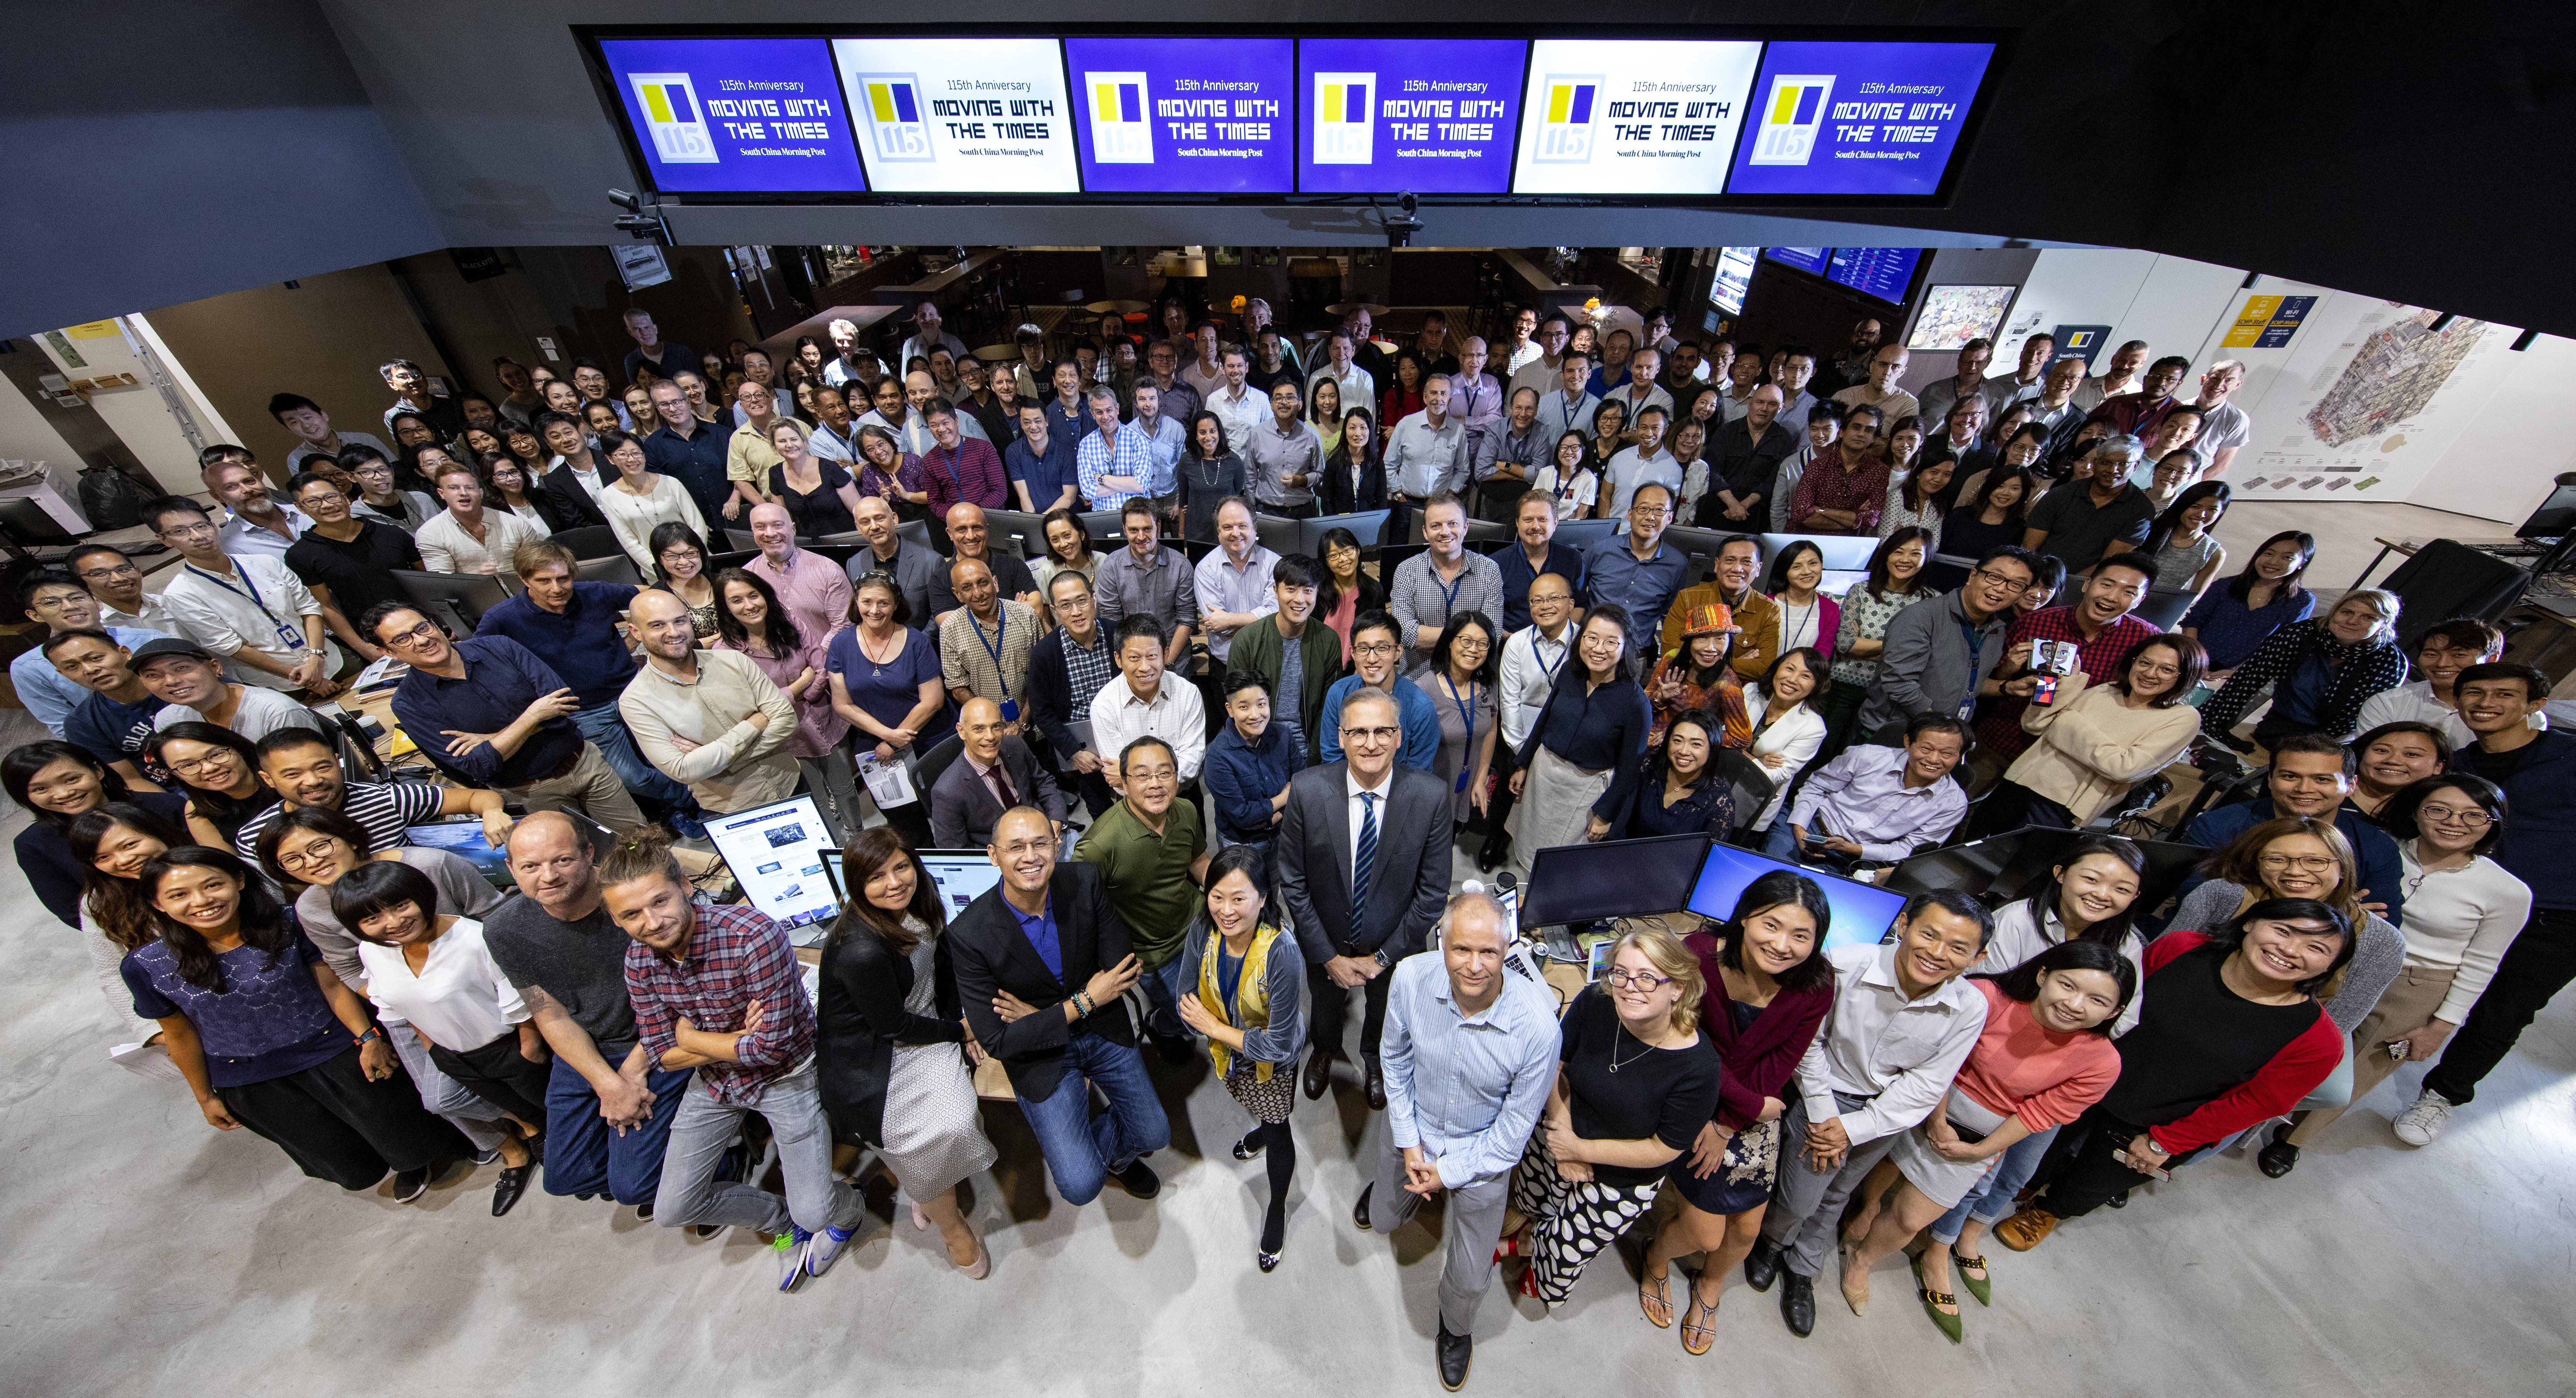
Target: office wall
(2504, 463)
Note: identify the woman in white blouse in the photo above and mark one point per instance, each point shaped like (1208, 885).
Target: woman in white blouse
(468, 538)
(511, 493)
(433, 972)
(641, 498)
(2462, 911)
(1787, 730)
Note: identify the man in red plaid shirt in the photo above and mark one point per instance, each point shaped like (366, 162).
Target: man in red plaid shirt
(718, 990)
(2098, 621)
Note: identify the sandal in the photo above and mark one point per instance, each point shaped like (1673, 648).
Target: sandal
(1707, 1333)
(1650, 1293)
(1933, 1301)
(1512, 1245)
(1982, 1286)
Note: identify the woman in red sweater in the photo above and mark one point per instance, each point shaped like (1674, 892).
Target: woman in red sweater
(2234, 1032)
(2045, 1055)
(1769, 986)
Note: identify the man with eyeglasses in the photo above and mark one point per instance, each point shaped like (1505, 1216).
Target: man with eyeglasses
(250, 610)
(2104, 627)
(1935, 648)
(347, 558)
(1757, 618)
(2311, 776)
(487, 709)
(1377, 657)
(1637, 570)
(58, 600)
(114, 579)
(1068, 667)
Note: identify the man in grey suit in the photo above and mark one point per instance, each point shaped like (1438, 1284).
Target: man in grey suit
(916, 571)
(994, 773)
(1364, 869)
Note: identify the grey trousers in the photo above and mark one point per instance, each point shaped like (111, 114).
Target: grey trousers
(1806, 1207)
(1471, 1224)
(704, 1128)
(483, 1124)
(592, 788)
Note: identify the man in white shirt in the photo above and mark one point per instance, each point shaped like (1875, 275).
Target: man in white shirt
(709, 718)
(1525, 347)
(1566, 407)
(2447, 648)
(849, 361)
(1358, 389)
(1143, 702)
(1474, 395)
(1532, 658)
(927, 338)
(1236, 403)
(467, 538)
(1644, 462)
(1886, 366)
(1642, 390)
(258, 522)
(117, 583)
(250, 610)
(1233, 581)
(914, 431)
(1540, 370)
(2223, 425)
(2121, 377)
(1900, 1027)
(1426, 454)
(312, 428)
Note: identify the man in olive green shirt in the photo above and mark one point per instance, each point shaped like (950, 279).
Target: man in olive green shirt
(1152, 853)
(1288, 644)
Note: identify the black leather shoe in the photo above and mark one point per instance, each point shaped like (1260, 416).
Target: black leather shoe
(644, 1212)
(1319, 1073)
(2277, 1159)
(1174, 1049)
(512, 1184)
(1456, 1352)
(1761, 1266)
(1376, 1082)
(1360, 1211)
(1139, 1180)
(1798, 1303)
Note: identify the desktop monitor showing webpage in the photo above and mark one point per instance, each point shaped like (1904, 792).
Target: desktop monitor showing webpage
(960, 875)
(776, 854)
(1861, 914)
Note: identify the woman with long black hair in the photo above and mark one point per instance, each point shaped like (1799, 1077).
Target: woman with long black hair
(1242, 977)
(56, 782)
(268, 1038)
(115, 840)
(1580, 765)
(218, 771)
(1355, 471)
(2233, 621)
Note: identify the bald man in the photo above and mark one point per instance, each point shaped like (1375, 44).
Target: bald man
(995, 772)
(969, 536)
(709, 718)
(813, 590)
(984, 643)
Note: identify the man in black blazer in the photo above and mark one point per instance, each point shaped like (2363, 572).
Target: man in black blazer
(1041, 962)
(994, 773)
(1325, 828)
(566, 503)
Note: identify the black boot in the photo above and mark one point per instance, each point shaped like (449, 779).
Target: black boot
(1798, 1303)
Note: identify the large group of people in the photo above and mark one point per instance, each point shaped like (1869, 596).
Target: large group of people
(1235, 783)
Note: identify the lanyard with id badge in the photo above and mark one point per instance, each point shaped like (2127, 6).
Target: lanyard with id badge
(993, 648)
(289, 635)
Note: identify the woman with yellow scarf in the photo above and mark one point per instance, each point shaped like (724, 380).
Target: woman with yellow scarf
(1244, 976)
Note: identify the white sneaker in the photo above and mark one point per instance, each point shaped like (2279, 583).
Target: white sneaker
(2421, 1122)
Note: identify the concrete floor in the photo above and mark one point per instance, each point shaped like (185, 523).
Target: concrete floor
(148, 1252)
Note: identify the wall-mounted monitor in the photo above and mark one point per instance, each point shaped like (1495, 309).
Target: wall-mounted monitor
(1884, 274)
(1865, 119)
(1804, 259)
(960, 116)
(1208, 116)
(1632, 116)
(735, 116)
(1381, 116)
(1734, 276)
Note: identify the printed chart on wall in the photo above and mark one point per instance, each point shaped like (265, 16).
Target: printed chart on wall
(2368, 397)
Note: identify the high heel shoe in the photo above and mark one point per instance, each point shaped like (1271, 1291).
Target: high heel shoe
(1858, 1301)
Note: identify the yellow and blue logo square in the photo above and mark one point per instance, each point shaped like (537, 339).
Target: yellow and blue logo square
(1792, 115)
(673, 118)
(897, 122)
(1345, 114)
(1568, 105)
(1122, 129)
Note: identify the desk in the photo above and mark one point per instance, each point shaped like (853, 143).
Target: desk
(2408, 547)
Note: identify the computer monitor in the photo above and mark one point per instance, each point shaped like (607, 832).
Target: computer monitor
(1488, 531)
(960, 875)
(1620, 878)
(2556, 517)
(1860, 913)
(1842, 552)
(1365, 526)
(1836, 582)
(1697, 542)
(459, 599)
(1581, 534)
(775, 852)
(464, 838)
(616, 568)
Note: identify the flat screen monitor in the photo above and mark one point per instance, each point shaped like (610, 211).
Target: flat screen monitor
(776, 854)
(1435, 116)
(1164, 115)
(1632, 116)
(1843, 553)
(735, 116)
(617, 568)
(1366, 526)
(1860, 119)
(2555, 519)
(960, 116)
(465, 596)
(962, 875)
(1861, 913)
(1882, 274)
(1734, 277)
(1804, 259)
(1620, 878)
(1838, 581)
(1581, 534)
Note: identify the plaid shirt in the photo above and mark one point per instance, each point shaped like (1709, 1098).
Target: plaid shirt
(972, 472)
(1129, 454)
(736, 955)
(995, 668)
(1827, 486)
(1086, 671)
(2100, 659)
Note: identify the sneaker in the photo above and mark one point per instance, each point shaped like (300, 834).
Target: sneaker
(2421, 1122)
(643, 1211)
(791, 1248)
(826, 1248)
(411, 1184)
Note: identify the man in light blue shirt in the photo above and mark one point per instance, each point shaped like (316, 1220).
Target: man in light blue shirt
(1470, 1052)
(1567, 408)
(1165, 438)
(59, 601)
(1114, 462)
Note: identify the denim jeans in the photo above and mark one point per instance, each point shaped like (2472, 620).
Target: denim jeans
(607, 732)
(1082, 1151)
(1162, 986)
(585, 1156)
(1991, 1199)
(703, 1129)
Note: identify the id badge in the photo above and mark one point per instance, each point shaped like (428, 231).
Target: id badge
(290, 637)
(1010, 711)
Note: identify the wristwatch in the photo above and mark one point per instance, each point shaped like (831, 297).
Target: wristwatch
(1383, 962)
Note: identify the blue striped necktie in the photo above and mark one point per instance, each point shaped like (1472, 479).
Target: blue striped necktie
(1367, 856)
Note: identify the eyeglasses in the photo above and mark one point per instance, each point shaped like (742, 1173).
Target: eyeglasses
(195, 765)
(1375, 648)
(2304, 863)
(189, 531)
(2452, 815)
(1380, 735)
(121, 570)
(1991, 575)
(1636, 980)
(420, 635)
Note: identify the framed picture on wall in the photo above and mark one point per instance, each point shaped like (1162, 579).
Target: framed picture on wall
(1954, 315)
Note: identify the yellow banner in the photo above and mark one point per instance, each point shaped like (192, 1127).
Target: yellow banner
(2250, 321)
(96, 330)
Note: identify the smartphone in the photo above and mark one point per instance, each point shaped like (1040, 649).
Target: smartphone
(1818, 832)
(2152, 1172)
(2045, 692)
(2397, 1050)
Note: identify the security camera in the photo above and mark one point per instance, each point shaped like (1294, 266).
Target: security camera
(638, 221)
(1400, 228)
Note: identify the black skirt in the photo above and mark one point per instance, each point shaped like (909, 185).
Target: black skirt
(337, 1126)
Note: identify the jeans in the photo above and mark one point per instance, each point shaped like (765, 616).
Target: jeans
(483, 1124)
(2539, 964)
(607, 732)
(584, 1156)
(1991, 1199)
(1082, 1151)
(1779, 843)
(1162, 986)
(704, 1128)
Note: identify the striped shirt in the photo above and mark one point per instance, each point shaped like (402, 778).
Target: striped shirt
(383, 808)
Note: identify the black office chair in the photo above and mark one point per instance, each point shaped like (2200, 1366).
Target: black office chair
(1753, 786)
(927, 766)
(591, 541)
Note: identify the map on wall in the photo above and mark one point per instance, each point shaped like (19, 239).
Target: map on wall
(2393, 378)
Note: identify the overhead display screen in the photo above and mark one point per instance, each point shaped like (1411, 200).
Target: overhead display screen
(1212, 116)
(1632, 116)
(960, 116)
(1804, 259)
(1734, 276)
(736, 115)
(1860, 119)
(1381, 116)
(1885, 273)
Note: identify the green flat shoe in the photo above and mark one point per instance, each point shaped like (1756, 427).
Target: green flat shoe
(1933, 1301)
(1983, 1288)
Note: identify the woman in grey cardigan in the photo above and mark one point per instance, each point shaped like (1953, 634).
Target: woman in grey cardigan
(1243, 976)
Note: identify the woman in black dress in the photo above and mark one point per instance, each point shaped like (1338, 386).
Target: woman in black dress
(1681, 794)
(1210, 470)
(1355, 473)
(820, 495)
